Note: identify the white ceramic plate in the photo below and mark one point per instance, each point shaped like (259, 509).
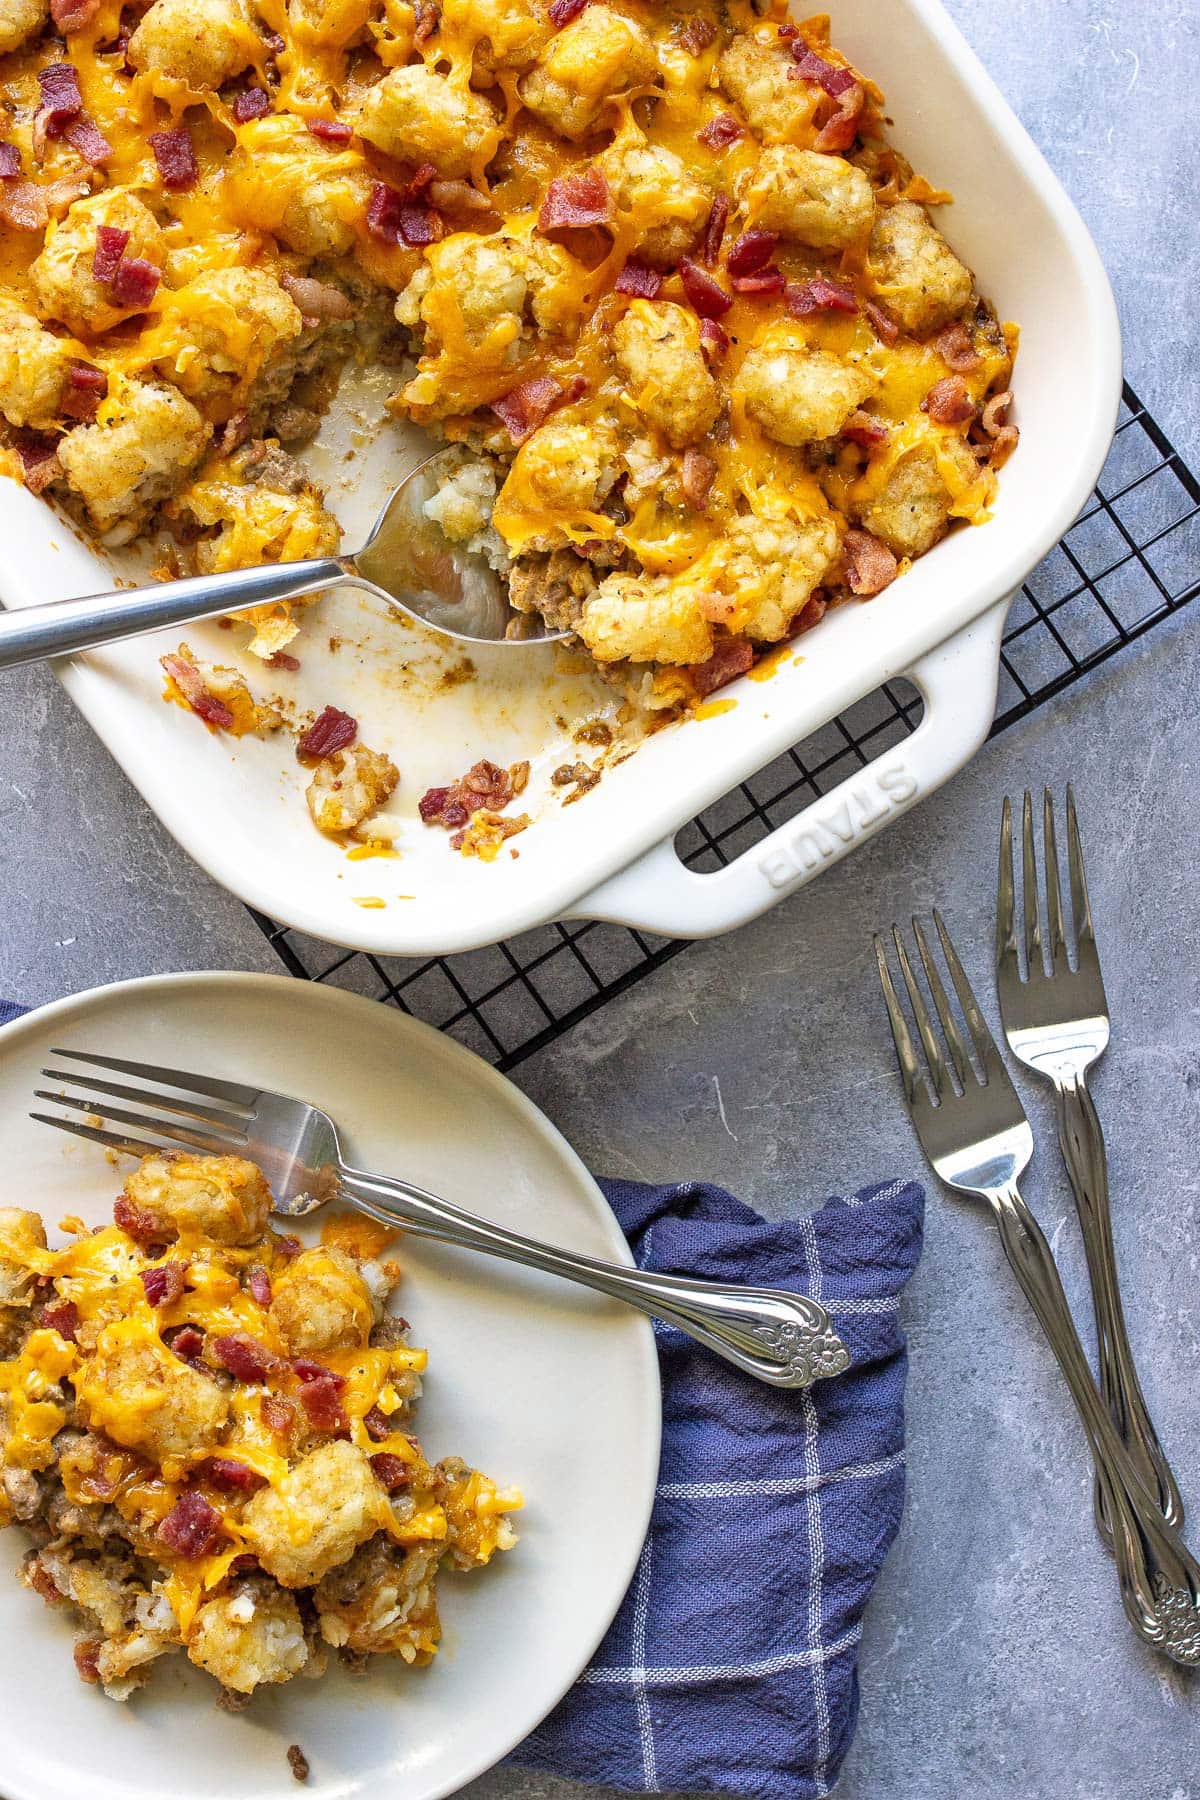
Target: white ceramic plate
(538, 1383)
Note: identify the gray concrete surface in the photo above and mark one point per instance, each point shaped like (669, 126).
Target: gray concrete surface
(995, 1662)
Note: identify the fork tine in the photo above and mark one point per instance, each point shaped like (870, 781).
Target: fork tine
(231, 1092)
(190, 1109)
(1054, 913)
(954, 1037)
(215, 1141)
(129, 1146)
(983, 1040)
(906, 1056)
(1029, 882)
(1081, 906)
(1006, 931)
(933, 1050)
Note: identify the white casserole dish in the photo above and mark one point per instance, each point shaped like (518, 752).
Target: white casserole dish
(237, 806)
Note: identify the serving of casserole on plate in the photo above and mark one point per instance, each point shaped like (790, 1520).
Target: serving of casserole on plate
(510, 1353)
(662, 276)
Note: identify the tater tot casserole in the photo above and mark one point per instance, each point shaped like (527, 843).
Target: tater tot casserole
(206, 1430)
(653, 267)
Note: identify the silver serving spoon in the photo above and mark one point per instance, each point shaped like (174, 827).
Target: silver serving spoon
(406, 562)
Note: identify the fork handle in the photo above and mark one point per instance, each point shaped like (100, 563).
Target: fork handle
(1081, 1141)
(781, 1338)
(1160, 1580)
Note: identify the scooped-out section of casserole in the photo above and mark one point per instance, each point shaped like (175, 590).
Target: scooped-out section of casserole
(654, 267)
(206, 1430)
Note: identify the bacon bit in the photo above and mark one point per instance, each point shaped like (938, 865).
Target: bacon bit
(234, 1476)
(869, 565)
(697, 34)
(699, 473)
(135, 282)
(948, 401)
(485, 787)
(714, 230)
(956, 349)
(862, 428)
(458, 196)
(273, 44)
(383, 213)
(391, 1472)
(882, 323)
(23, 205)
(252, 103)
(714, 339)
(420, 225)
(731, 657)
(283, 659)
(164, 1282)
(574, 201)
(61, 101)
(751, 252)
(330, 131)
(308, 1370)
(187, 1342)
(192, 1528)
(720, 132)
(175, 155)
(841, 128)
(62, 1316)
(787, 31)
(811, 67)
(39, 463)
(1004, 436)
(812, 612)
(244, 1356)
(332, 731)
(258, 1282)
(705, 296)
(135, 1221)
(89, 141)
(321, 1398)
(288, 1246)
(819, 294)
(767, 281)
(563, 11)
(73, 15)
(110, 248)
(376, 1422)
(528, 405)
(84, 390)
(39, 1578)
(87, 1659)
(190, 682)
(278, 1414)
(639, 279)
(10, 162)
(426, 19)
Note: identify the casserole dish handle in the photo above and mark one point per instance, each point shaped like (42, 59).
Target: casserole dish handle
(957, 683)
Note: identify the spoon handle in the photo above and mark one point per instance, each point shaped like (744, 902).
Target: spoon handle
(63, 627)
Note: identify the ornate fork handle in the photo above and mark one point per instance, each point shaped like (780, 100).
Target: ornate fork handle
(1082, 1143)
(1160, 1581)
(780, 1338)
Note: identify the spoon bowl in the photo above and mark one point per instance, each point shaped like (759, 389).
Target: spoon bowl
(407, 562)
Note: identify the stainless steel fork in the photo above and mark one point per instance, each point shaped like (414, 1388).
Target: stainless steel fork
(781, 1338)
(1055, 1018)
(973, 1129)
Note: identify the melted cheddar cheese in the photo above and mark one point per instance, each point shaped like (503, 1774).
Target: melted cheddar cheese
(656, 265)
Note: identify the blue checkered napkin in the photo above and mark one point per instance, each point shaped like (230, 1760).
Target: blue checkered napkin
(731, 1666)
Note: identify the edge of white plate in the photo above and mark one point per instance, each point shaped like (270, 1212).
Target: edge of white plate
(339, 1000)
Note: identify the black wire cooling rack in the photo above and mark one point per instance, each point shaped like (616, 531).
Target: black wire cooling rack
(1131, 559)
